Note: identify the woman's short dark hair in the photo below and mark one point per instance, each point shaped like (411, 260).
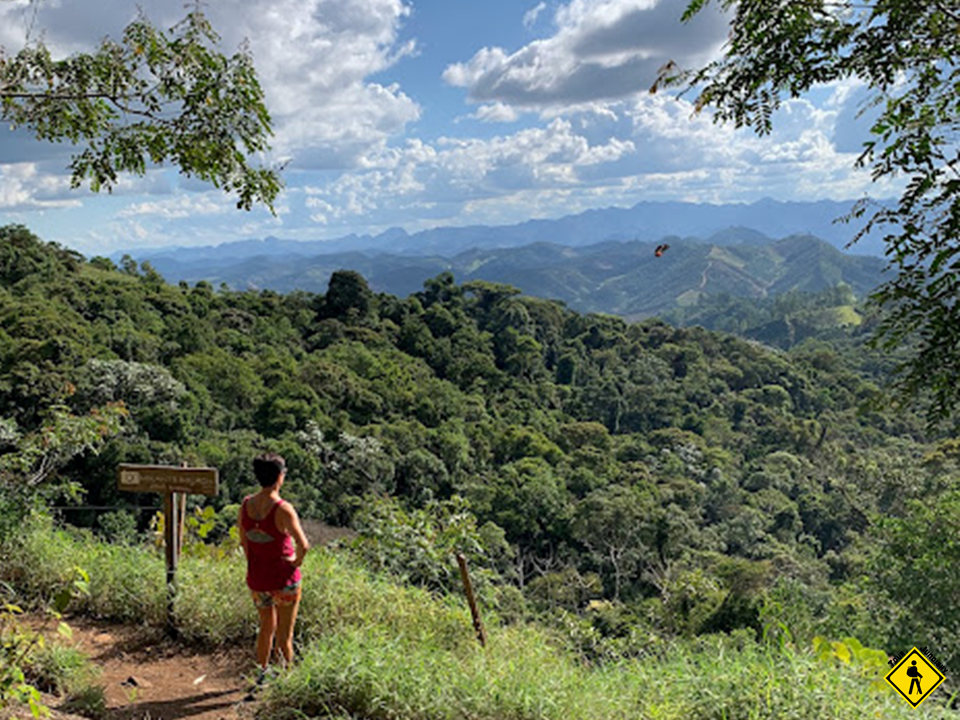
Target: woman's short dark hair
(268, 468)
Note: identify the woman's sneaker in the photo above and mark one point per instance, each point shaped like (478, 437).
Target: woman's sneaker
(262, 676)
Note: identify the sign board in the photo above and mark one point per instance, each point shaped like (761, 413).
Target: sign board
(915, 677)
(168, 479)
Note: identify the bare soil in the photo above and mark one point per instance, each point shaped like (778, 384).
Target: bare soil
(148, 676)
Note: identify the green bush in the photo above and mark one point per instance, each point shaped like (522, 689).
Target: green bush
(29, 664)
(119, 527)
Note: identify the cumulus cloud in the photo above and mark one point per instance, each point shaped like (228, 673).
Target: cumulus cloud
(24, 187)
(602, 50)
(313, 58)
(442, 180)
(181, 206)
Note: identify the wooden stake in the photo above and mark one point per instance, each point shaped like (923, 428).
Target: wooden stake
(171, 539)
(471, 600)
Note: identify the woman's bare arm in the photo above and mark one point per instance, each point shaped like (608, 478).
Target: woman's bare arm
(289, 522)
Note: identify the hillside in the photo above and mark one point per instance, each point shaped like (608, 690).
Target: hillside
(624, 483)
(619, 278)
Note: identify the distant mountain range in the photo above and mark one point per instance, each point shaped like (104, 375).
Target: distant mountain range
(621, 278)
(597, 261)
(647, 221)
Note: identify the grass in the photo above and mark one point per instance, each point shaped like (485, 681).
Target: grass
(60, 669)
(53, 667)
(369, 648)
(520, 676)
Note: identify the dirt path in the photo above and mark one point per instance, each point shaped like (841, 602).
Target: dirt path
(146, 676)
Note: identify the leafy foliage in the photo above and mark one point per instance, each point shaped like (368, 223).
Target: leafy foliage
(32, 458)
(904, 53)
(421, 545)
(153, 97)
(915, 555)
(24, 653)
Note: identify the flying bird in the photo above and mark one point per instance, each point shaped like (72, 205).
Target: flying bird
(661, 249)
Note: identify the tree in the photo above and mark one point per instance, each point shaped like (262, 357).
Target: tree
(152, 98)
(29, 461)
(614, 524)
(348, 297)
(904, 52)
(913, 567)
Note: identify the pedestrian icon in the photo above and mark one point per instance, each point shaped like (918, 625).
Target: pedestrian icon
(915, 677)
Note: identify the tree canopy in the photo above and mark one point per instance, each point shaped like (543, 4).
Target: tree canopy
(642, 478)
(154, 97)
(904, 54)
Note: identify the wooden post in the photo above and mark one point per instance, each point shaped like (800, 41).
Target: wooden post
(171, 538)
(471, 600)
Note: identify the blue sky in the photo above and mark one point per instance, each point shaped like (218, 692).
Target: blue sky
(425, 113)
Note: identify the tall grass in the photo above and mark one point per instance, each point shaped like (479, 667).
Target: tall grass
(212, 605)
(369, 648)
(366, 673)
(126, 583)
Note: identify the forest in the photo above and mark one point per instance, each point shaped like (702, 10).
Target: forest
(626, 484)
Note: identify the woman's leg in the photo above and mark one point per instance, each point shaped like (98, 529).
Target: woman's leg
(286, 618)
(268, 629)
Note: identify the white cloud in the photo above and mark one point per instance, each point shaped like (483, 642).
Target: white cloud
(180, 206)
(485, 61)
(497, 112)
(442, 181)
(23, 187)
(314, 58)
(603, 50)
(530, 17)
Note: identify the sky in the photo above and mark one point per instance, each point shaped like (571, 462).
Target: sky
(425, 113)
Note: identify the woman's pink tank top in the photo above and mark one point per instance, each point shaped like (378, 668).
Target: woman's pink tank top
(269, 552)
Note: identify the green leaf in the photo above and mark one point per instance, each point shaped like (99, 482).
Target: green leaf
(62, 600)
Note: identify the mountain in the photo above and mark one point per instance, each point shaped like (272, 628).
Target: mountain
(617, 277)
(648, 221)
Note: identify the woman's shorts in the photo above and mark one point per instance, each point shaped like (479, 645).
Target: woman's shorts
(289, 595)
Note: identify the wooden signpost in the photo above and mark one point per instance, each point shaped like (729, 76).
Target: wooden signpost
(174, 483)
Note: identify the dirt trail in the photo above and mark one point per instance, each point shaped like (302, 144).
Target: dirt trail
(147, 676)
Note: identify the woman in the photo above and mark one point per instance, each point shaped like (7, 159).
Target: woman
(269, 527)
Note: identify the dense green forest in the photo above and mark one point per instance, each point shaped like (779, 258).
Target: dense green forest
(626, 482)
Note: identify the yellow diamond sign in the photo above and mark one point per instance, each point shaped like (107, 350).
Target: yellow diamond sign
(915, 677)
